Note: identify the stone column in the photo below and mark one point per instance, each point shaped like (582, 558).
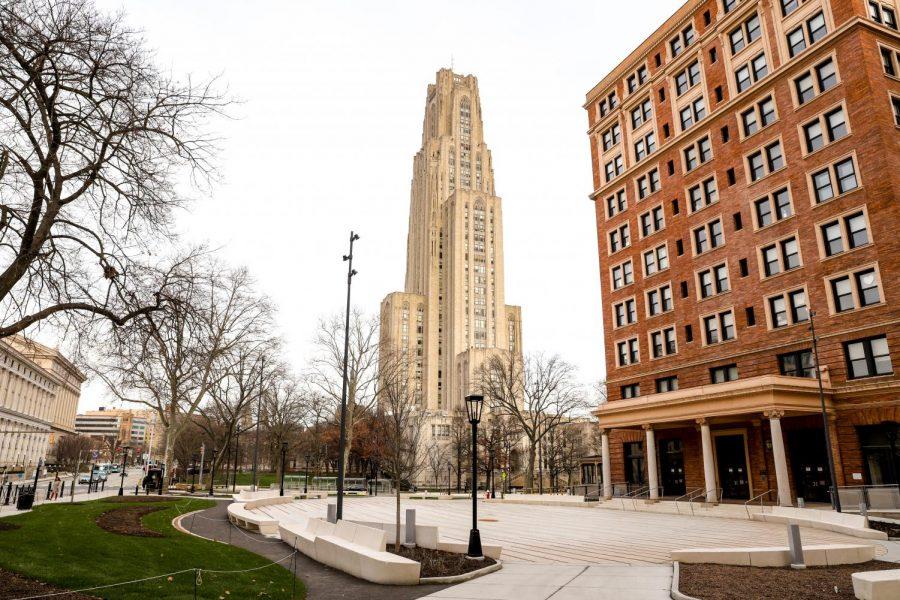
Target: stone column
(606, 467)
(781, 470)
(652, 473)
(709, 468)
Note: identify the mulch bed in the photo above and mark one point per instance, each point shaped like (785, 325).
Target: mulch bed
(127, 521)
(4, 526)
(437, 563)
(891, 529)
(136, 499)
(726, 582)
(13, 585)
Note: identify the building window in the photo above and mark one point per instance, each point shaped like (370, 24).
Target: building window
(788, 308)
(682, 40)
(745, 34)
(890, 61)
(765, 161)
(797, 364)
(855, 290)
(719, 327)
(692, 113)
(637, 79)
(662, 342)
(751, 72)
(614, 168)
(627, 352)
(723, 374)
(845, 233)
(652, 221)
(632, 390)
(757, 117)
(622, 275)
(687, 78)
(656, 260)
(619, 238)
(666, 384)
(781, 256)
(616, 203)
(612, 136)
(625, 312)
(806, 34)
(697, 153)
(817, 80)
(713, 281)
(868, 357)
(607, 104)
(774, 207)
(703, 194)
(644, 147)
(648, 183)
(708, 237)
(659, 300)
(834, 180)
(641, 113)
(825, 129)
(789, 6)
(895, 106)
(883, 14)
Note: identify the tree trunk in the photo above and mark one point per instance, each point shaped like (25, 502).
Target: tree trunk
(167, 458)
(397, 528)
(529, 469)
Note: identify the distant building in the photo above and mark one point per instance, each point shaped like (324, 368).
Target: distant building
(39, 392)
(129, 427)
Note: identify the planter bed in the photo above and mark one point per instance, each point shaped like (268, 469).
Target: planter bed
(438, 563)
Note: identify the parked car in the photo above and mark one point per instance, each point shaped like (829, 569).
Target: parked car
(84, 478)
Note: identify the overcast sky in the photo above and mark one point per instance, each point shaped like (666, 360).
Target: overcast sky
(333, 99)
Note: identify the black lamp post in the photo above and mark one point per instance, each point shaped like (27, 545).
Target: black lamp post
(212, 472)
(306, 475)
(835, 499)
(449, 476)
(474, 405)
(342, 444)
(122, 475)
(193, 469)
(284, 449)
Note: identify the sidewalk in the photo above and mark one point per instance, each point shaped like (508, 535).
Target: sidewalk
(112, 489)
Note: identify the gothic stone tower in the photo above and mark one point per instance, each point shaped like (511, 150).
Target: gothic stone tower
(452, 313)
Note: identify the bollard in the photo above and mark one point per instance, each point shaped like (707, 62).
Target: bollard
(863, 509)
(102, 485)
(332, 513)
(49, 485)
(796, 547)
(8, 493)
(136, 489)
(62, 489)
(801, 503)
(410, 528)
(16, 495)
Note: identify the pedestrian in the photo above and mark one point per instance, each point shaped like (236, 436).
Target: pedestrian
(54, 488)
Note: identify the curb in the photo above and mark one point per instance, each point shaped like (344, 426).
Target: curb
(461, 578)
(176, 523)
(674, 592)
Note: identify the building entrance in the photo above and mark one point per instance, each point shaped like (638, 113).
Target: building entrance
(810, 464)
(634, 463)
(731, 459)
(671, 466)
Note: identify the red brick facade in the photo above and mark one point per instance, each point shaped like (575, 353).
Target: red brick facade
(862, 88)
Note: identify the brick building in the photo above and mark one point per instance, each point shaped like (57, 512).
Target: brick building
(746, 162)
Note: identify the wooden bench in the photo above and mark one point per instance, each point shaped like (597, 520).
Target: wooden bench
(877, 585)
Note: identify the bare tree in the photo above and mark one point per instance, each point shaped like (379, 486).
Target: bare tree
(170, 360)
(71, 451)
(538, 391)
(327, 367)
(401, 420)
(437, 455)
(282, 412)
(460, 442)
(92, 139)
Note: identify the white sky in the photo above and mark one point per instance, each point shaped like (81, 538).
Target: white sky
(333, 99)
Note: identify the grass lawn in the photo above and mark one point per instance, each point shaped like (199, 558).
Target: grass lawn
(263, 480)
(61, 544)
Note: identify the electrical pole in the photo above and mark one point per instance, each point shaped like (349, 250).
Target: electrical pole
(835, 499)
(348, 258)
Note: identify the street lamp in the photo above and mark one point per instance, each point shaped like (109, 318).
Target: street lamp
(212, 472)
(306, 475)
(193, 469)
(474, 406)
(449, 478)
(284, 449)
(122, 475)
(342, 443)
(835, 499)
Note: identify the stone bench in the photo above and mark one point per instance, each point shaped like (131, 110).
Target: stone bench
(428, 536)
(243, 518)
(778, 556)
(877, 585)
(849, 524)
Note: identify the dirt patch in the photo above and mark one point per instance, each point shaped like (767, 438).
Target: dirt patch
(891, 529)
(13, 585)
(726, 582)
(127, 521)
(4, 526)
(437, 563)
(136, 499)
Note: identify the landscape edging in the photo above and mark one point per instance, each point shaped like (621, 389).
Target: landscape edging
(461, 578)
(674, 592)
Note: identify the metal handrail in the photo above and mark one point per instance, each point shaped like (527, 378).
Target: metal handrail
(759, 497)
(640, 493)
(632, 494)
(683, 496)
(718, 496)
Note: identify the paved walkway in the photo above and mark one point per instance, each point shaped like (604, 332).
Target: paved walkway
(110, 489)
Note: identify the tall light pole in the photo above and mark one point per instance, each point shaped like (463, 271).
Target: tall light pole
(122, 475)
(262, 367)
(474, 406)
(348, 258)
(835, 499)
(212, 472)
(284, 449)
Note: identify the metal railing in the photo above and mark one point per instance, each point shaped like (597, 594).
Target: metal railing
(761, 503)
(590, 491)
(630, 495)
(647, 492)
(875, 497)
(717, 498)
(687, 496)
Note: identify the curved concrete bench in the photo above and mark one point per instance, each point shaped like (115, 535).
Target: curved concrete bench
(428, 536)
(272, 500)
(243, 518)
(877, 585)
(813, 555)
(855, 525)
